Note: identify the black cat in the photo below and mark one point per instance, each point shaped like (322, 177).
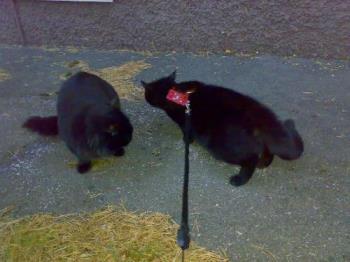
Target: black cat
(235, 128)
(89, 120)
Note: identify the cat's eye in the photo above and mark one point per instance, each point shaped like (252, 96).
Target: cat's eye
(112, 130)
(114, 133)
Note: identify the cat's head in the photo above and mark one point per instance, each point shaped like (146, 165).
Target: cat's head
(110, 131)
(156, 91)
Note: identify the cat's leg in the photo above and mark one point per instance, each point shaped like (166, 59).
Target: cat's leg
(266, 159)
(247, 169)
(119, 152)
(84, 166)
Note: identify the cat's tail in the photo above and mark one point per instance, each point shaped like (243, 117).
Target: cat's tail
(45, 126)
(285, 143)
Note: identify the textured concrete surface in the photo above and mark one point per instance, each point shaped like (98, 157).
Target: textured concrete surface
(306, 28)
(293, 211)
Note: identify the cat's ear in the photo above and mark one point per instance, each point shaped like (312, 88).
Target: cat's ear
(172, 76)
(144, 84)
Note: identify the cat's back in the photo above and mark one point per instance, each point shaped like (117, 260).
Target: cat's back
(220, 106)
(86, 86)
(83, 90)
(223, 99)
(80, 95)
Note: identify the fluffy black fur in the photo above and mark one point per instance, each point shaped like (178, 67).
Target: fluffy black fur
(235, 128)
(89, 120)
(45, 126)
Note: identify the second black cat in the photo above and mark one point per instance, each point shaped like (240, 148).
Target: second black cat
(235, 128)
(89, 120)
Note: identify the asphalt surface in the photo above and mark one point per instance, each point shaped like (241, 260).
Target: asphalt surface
(307, 28)
(292, 211)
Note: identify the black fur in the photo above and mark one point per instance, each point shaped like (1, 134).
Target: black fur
(235, 128)
(45, 126)
(89, 119)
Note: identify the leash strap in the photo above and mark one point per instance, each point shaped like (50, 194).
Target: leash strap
(18, 22)
(183, 234)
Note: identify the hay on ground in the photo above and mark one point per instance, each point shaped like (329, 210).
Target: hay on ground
(4, 75)
(112, 234)
(97, 164)
(120, 77)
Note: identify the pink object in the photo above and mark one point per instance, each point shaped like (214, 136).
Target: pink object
(177, 97)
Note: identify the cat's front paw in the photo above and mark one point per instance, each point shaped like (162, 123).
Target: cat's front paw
(238, 180)
(119, 152)
(84, 167)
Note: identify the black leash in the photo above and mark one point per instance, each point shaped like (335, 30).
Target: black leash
(183, 234)
(19, 22)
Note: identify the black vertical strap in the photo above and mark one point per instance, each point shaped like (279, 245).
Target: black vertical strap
(183, 234)
(18, 22)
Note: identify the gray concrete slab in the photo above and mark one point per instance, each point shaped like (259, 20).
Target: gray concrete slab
(293, 211)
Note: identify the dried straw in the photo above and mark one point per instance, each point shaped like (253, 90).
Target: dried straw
(4, 75)
(120, 77)
(97, 164)
(112, 234)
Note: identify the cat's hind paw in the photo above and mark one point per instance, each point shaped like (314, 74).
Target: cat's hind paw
(238, 180)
